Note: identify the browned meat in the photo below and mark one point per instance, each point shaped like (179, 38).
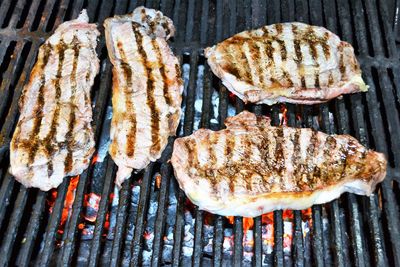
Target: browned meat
(286, 62)
(54, 138)
(147, 88)
(251, 168)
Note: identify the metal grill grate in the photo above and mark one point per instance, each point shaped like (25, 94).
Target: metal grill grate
(358, 230)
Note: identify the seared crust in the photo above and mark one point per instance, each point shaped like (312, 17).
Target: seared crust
(286, 62)
(251, 168)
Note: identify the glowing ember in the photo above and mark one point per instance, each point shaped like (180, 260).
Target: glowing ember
(247, 223)
(158, 180)
(268, 230)
(284, 115)
(95, 158)
(69, 200)
(232, 97)
(148, 235)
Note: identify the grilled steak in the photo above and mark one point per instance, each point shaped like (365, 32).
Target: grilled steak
(147, 88)
(286, 62)
(54, 137)
(252, 168)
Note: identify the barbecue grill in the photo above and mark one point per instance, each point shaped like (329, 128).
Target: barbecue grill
(149, 221)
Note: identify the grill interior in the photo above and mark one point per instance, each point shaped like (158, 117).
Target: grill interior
(150, 221)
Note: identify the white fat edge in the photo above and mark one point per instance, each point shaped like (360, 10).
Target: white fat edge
(358, 80)
(83, 16)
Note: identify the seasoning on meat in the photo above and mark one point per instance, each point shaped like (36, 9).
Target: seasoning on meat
(147, 88)
(286, 62)
(54, 137)
(251, 168)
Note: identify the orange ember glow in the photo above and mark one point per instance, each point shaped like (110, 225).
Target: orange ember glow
(307, 213)
(107, 222)
(158, 180)
(247, 222)
(69, 198)
(284, 115)
(267, 218)
(95, 158)
(287, 215)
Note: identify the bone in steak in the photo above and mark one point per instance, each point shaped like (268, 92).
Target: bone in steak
(251, 168)
(54, 137)
(147, 88)
(286, 62)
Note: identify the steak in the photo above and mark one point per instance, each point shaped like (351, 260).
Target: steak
(286, 62)
(54, 137)
(251, 168)
(147, 88)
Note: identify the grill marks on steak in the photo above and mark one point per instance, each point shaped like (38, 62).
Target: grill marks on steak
(287, 62)
(251, 168)
(53, 137)
(147, 88)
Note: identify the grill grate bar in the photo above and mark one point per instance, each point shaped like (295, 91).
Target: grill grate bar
(189, 21)
(5, 193)
(61, 11)
(5, 5)
(32, 230)
(16, 14)
(258, 242)
(12, 229)
(45, 15)
(278, 238)
(198, 244)
(31, 15)
(101, 216)
(136, 246)
(119, 231)
(388, 31)
(218, 239)
(178, 229)
(77, 6)
(165, 172)
(10, 76)
(52, 226)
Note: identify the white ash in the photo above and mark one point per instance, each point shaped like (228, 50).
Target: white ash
(105, 136)
(185, 75)
(198, 103)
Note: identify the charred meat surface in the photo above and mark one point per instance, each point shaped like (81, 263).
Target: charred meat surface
(147, 88)
(286, 62)
(54, 137)
(251, 168)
